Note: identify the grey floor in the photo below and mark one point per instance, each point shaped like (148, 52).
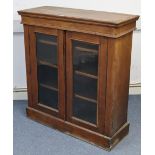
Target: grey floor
(32, 138)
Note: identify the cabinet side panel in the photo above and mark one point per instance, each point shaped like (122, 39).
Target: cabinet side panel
(28, 66)
(118, 74)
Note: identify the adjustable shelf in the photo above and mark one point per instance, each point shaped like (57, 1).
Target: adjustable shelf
(43, 62)
(48, 76)
(86, 74)
(48, 87)
(82, 49)
(45, 105)
(85, 86)
(49, 84)
(85, 98)
(47, 42)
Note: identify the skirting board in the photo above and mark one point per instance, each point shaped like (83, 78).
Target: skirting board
(21, 94)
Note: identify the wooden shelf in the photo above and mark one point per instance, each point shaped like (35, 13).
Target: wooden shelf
(86, 74)
(48, 87)
(85, 98)
(47, 42)
(86, 49)
(47, 107)
(43, 62)
(83, 121)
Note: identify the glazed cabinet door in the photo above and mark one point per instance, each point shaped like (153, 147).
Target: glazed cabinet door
(47, 70)
(86, 57)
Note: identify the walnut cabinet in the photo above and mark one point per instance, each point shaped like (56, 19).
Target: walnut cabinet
(78, 67)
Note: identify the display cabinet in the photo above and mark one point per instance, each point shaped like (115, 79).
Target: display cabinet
(78, 67)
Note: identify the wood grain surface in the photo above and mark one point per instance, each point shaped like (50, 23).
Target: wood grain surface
(91, 15)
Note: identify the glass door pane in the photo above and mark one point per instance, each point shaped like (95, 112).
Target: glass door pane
(46, 48)
(47, 70)
(85, 79)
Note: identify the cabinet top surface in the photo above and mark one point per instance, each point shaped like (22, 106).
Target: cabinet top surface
(79, 14)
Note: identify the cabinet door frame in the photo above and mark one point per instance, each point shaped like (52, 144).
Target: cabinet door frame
(101, 85)
(61, 74)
